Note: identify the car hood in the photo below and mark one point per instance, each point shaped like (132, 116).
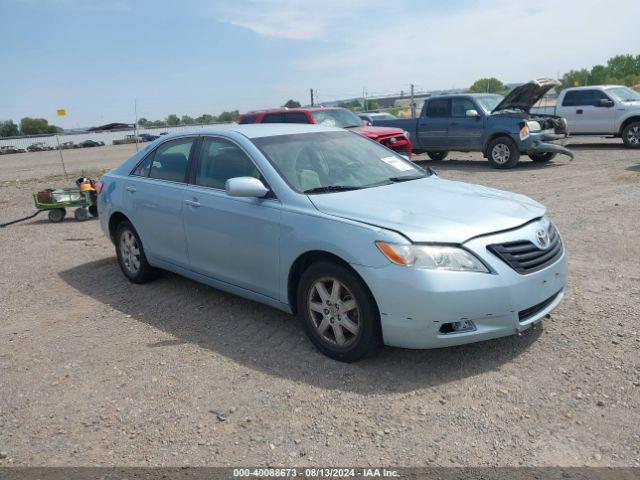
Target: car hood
(527, 95)
(375, 132)
(432, 209)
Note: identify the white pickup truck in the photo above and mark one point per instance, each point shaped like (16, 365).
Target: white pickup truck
(599, 110)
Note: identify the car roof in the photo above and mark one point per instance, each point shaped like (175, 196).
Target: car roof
(283, 110)
(591, 87)
(257, 130)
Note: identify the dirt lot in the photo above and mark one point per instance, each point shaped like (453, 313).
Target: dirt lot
(94, 370)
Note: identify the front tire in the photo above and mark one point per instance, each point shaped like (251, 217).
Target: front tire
(503, 153)
(631, 135)
(437, 155)
(130, 253)
(542, 157)
(338, 313)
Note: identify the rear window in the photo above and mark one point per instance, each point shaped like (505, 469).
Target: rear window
(273, 118)
(248, 119)
(439, 108)
(295, 117)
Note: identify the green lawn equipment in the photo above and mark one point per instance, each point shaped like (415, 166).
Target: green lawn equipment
(57, 201)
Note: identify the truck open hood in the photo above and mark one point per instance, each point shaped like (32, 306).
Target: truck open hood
(527, 95)
(432, 209)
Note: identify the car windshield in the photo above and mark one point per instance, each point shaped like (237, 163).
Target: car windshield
(624, 94)
(321, 162)
(489, 102)
(336, 117)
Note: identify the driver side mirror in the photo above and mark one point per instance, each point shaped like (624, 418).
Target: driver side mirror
(605, 102)
(472, 114)
(245, 187)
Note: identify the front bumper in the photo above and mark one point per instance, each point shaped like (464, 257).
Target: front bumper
(415, 303)
(539, 143)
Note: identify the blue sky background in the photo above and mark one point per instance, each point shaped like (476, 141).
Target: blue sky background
(194, 56)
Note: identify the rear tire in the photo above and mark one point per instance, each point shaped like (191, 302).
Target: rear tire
(542, 157)
(338, 312)
(133, 262)
(631, 135)
(56, 215)
(503, 153)
(438, 155)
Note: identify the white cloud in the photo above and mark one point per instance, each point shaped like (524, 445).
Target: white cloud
(386, 46)
(290, 19)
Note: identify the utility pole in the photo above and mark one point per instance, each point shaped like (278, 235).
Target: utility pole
(135, 125)
(364, 98)
(311, 91)
(412, 104)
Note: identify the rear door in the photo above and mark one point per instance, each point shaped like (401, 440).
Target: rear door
(433, 125)
(231, 239)
(464, 132)
(153, 199)
(584, 114)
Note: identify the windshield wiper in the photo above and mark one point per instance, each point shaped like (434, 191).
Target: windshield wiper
(406, 178)
(352, 126)
(331, 188)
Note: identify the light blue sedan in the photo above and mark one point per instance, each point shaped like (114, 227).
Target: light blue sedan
(366, 247)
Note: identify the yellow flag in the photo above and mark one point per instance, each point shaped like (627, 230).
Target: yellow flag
(61, 112)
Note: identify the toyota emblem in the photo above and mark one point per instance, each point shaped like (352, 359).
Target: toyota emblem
(543, 238)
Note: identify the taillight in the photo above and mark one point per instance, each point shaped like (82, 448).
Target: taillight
(99, 186)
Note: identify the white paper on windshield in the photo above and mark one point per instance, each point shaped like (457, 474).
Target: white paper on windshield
(396, 163)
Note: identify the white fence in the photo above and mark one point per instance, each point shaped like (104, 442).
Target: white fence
(106, 137)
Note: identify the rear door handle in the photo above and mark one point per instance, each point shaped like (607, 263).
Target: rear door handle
(192, 203)
(579, 111)
(131, 189)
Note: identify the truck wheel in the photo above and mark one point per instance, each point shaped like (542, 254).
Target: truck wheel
(631, 135)
(437, 155)
(503, 153)
(542, 157)
(56, 215)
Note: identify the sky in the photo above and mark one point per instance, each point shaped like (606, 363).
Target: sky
(96, 58)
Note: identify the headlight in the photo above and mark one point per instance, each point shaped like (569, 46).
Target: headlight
(524, 132)
(406, 134)
(534, 126)
(432, 257)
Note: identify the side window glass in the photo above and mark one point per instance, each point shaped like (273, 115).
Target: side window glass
(222, 160)
(142, 170)
(439, 108)
(272, 118)
(248, 119)
(459, 107)
(574, 98)
(295, 117)
(170, 160)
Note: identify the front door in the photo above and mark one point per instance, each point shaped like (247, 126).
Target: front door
(154, 200)
(465, 133)
(232, 239)
(584, 113)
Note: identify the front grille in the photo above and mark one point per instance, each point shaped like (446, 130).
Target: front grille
(526, 314)
(526, 257)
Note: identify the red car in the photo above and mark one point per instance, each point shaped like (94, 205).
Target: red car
(393, 138)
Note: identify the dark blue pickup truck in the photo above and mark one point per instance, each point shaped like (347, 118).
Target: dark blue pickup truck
(500, 127)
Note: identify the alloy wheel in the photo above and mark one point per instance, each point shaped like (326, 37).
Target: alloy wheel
(500, 153)
(130, 252)
(334, 311)
(633, 135)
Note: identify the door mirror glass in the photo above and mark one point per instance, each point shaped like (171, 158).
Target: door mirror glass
(605, 102)
(472, 114)
(245, 187)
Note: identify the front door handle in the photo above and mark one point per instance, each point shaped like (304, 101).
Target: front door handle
(192, 203)
(131, 189)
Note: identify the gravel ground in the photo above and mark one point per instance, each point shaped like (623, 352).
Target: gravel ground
(97, 371)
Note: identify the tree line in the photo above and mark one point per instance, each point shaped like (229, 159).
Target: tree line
(619, 70)
(28, 126)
